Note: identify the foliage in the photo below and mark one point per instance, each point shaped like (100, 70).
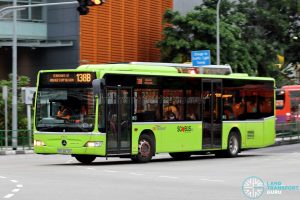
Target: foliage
(251, 34)
(23, 81)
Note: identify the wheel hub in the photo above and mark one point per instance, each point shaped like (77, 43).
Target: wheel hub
(233, 145)
(144, 148)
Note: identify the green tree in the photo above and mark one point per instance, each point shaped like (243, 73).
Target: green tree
(275, 25)
(23, 81)
(197, 30)
(252, 34)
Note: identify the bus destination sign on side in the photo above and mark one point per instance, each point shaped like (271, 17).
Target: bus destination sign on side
(146, 81)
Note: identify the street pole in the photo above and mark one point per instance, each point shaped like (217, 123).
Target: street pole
(14, 61)
(218, 32)
(14, 82)
(5, 96)
(29, 123)
(6, 122)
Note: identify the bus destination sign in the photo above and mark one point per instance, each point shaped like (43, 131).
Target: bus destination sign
(70, 78)
(67, 78)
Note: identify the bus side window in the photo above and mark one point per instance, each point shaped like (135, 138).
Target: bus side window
(146, 105)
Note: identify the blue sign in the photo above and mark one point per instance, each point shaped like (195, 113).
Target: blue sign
(201, 58)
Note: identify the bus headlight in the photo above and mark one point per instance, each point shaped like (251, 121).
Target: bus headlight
(38, 143)
(94, 144)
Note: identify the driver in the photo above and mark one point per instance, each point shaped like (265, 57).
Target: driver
(63, 112)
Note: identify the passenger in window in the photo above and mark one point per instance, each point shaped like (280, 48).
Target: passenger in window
(251, 107)
(83, 113)
(171, 111)
(113, 124)
(268, 105)
(238, 108)
(190, 115)
(228, 111)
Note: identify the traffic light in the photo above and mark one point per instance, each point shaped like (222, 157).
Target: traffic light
(83, 5)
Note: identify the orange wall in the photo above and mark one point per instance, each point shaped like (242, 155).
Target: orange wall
(122, 31)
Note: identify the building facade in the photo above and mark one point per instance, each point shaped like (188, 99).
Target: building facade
(57, 37)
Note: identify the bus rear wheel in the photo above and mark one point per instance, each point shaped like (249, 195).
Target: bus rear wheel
(146, 149)
(85, 159)
(180, 155)
(233, 146)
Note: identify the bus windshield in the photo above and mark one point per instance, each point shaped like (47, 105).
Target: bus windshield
(65, 109)
(280, 99)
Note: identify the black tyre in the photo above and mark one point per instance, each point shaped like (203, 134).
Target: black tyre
(180, 155)
(85, 159)
(233, 146)
(146, 149)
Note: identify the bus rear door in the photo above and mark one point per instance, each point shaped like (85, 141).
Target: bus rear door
(212, 113)
(118, 120)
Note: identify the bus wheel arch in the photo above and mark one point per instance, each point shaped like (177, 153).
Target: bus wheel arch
(146, 147)
(233, 144)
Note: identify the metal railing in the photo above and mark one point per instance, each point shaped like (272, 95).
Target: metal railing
(24, 139)
(289, 130)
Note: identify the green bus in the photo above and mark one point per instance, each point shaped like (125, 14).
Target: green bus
(136, 110)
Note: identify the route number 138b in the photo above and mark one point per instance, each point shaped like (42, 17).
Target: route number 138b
(83, 78)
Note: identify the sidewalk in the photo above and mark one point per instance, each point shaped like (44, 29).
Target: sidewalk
(20, 150)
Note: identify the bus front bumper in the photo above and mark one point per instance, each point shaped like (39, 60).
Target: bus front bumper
(93, 144)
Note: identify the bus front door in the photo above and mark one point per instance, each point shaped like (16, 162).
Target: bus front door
(118, 120)
(212, 113)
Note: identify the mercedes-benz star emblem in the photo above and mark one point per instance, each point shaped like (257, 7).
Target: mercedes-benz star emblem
(64, 142)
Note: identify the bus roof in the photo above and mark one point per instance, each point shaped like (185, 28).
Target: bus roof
(148, 68)
(130, 67)
(291, 87)
(164, 69)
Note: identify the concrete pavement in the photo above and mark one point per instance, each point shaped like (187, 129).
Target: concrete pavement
(33, 176)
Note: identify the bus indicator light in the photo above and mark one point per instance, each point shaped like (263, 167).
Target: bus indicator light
(94, 144)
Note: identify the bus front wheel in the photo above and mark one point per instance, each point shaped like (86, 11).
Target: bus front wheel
(85, 159)
(146, 149)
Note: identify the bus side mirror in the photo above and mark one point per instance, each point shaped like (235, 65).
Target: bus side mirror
(98, 85)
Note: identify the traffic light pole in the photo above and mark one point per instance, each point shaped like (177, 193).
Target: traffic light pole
(14, 8)
(9, 8)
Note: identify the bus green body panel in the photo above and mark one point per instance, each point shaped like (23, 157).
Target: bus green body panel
(75, 144)
(270, 132)
(254, 134)
(170, 137)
